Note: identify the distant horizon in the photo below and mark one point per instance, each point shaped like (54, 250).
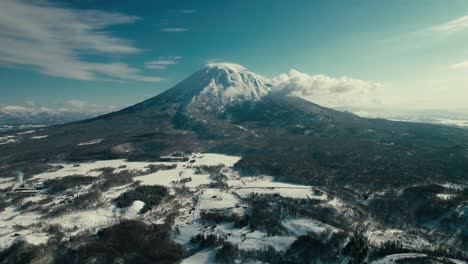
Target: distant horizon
(100, 57)
(373, 111)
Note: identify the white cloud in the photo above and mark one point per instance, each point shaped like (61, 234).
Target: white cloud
(162, 62)
(69, 106)
(183, 11)
(174, 29)
(326, 90)
(453, 25)
(13, 109)
(53, 39)
(460, 65)
(77, 103)
(22, 110)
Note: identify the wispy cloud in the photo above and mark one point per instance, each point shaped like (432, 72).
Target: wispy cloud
(174, 29)
(455, 25)
(460, 65)
(327, 90)
(77, 103)
(183, 11)
(52, 40)
(162, 63)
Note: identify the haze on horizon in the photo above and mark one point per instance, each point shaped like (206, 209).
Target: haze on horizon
(369, 57)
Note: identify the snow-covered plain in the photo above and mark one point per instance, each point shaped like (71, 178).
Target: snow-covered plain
(194, 192)
(184, 173)
(92, 168)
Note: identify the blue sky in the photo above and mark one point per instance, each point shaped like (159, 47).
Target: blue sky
(102, 55)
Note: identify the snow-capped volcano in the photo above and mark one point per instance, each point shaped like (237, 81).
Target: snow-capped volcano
(219, 84)
(230, 82)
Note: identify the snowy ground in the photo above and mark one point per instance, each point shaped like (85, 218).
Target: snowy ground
(203, 195)
(184, 174)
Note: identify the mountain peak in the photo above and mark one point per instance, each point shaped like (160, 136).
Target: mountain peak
(217, 85)
(225, 83)
(225, 66)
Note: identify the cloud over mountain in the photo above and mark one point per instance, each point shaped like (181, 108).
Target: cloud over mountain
(326, 90)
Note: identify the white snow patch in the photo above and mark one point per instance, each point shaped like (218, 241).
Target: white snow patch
(395, 258)
(134, 210)
(202, 257)
(7, 182)
(114, 192)
(211, 159)
(445, 196)
(91, 142)
(40, 137)
(99, 217)
(266, 185)
(90, 168)
(454, 186)
(9, 218)
(400, 258)
(260, 240)
(302, 226)
(217, 199)
(8, 140)
(35, 238)
(26, 132)
(173, 176)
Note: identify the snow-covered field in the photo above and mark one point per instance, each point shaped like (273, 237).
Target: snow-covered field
(183, 174)
(194, 192)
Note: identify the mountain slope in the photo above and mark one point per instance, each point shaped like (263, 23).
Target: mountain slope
(225, 108)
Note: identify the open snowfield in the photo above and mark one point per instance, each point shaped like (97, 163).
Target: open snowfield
(91, 168)
(194, 191)
(183, 174)
(172, 177)
(265, 185)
